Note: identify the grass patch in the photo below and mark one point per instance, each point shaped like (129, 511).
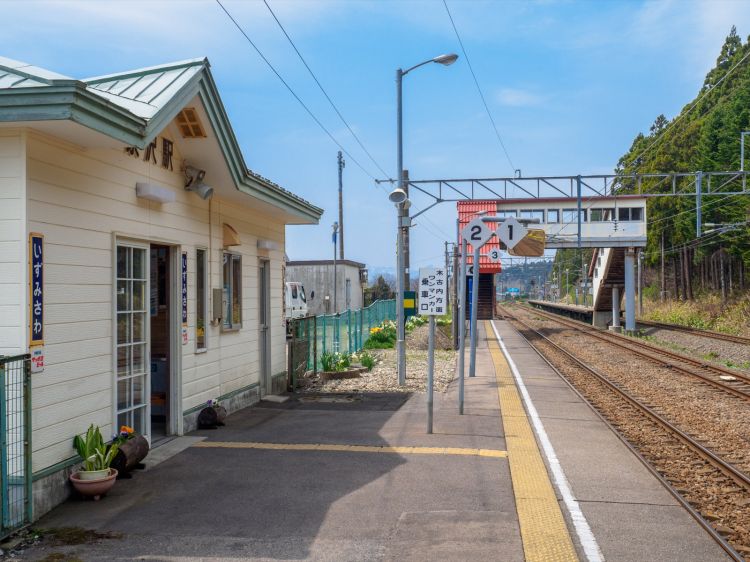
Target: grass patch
(70, 536)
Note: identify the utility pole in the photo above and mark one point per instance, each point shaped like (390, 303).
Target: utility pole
(405, 233)
(342, 165)
(662, 294)
(448, 302)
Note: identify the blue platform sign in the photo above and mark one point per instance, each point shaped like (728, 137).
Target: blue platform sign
(184, 299)
(36, 289)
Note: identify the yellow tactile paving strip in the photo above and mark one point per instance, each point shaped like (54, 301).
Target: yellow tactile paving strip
(543, 531)
(492, 453)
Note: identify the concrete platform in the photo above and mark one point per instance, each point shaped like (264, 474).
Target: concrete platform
(630, 513)
(281, 481)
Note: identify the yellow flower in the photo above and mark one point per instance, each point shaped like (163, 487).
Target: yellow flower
(126, 429)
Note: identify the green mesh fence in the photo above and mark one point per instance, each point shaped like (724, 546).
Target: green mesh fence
(15, 443)
(345, 332)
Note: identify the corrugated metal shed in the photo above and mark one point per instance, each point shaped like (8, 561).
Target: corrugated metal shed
(467, 210)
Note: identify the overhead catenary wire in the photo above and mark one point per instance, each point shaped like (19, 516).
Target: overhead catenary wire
(291, 91)
(479, 89)
(322, 89)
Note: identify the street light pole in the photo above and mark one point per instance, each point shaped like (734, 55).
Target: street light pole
(403, 221)
(335, 228)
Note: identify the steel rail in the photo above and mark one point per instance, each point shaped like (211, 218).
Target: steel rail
(694, 513)
(653, 353)
(735, 474)
(696, 331)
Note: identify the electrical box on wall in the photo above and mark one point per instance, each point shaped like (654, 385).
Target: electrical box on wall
(218, 305)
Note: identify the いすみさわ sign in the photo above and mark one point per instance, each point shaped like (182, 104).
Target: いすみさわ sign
(36, 289)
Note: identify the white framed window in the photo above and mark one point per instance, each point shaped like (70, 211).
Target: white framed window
(232, 283)
(602, 215)
(132, 371)
(201, 299)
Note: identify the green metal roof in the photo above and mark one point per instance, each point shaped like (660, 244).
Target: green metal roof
(134, 107)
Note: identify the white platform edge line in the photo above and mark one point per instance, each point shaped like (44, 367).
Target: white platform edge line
(583, 530)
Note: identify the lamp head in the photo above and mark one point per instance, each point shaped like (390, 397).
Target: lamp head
(194, 182)
(397, 196)
(446, 60)
(335, 226)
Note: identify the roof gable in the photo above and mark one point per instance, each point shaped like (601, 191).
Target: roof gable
(133, 107)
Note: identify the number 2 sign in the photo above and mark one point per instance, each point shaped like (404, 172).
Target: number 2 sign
(477, 233)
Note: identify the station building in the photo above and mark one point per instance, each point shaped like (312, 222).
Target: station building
(140, 259)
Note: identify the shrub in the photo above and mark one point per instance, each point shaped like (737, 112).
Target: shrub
(367, 360)
(335, 362)
(382, 337)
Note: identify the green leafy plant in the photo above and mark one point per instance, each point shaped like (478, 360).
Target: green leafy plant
(95, 453)
(327, 361)
(335, 362)
(382, 336)
(367, 359)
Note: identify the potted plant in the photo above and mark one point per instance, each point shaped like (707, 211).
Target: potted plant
(95, 477)
(132, 449)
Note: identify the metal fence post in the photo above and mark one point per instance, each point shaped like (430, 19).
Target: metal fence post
(315, 345)
(27, 437)
(4, 488)
(324, 335)
(349, 328)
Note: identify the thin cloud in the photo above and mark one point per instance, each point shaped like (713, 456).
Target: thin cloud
(515, 97)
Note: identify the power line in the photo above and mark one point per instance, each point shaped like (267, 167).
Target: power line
(291, 91)
(476, 82)
(330, 101)
(695, 103)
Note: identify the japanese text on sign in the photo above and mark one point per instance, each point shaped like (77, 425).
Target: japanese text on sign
(36, 289)
(433, 291)
(184, 298)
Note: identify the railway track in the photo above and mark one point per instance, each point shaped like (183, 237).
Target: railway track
(731, 381)
(630, 407)
(696, 331)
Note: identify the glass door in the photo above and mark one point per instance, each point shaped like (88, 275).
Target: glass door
(132, 338)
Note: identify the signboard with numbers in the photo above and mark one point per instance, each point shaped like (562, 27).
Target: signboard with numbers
(494, 255)
(184, 300)
(477, 233)
(36, 289)
(511, 232)
(433, 291)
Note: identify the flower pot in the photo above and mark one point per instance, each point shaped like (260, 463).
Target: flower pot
(221, 414)
(131, 453)
(93, 474)
(93, 488)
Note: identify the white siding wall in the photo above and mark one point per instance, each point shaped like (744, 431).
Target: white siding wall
(78, 199)
(13, 242)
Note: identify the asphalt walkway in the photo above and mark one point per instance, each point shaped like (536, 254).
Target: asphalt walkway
(323, 478)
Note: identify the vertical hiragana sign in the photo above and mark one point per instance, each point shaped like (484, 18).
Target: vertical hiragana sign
(433, 291)
(184, 299)
(36, 289)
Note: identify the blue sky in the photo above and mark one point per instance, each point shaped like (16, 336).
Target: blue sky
(569, 85)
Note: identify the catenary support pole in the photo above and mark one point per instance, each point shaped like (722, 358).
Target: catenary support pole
(630, 290)
(430, 371)
(474, 307)
(640, 282)
(461, 326)
(698, 203)
(616, 307)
